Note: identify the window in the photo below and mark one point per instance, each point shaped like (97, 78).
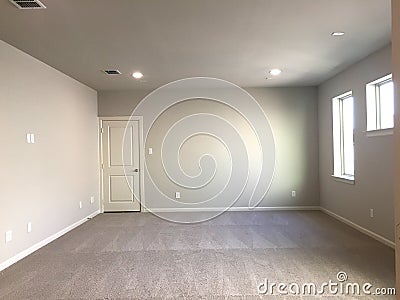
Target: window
(380, 104)
(343, 141)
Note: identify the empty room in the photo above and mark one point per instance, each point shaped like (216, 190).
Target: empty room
(202, 149)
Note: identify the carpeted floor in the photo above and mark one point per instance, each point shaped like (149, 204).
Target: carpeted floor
(139, 256)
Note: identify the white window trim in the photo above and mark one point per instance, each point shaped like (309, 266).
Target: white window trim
(375, 85)
(379, 132)
(345, 178)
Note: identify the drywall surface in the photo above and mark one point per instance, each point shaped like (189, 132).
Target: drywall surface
(373, 188)
(208, 148)
(43, 182)
(396, 79)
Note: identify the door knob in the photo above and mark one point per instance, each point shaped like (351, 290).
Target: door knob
(136, 170)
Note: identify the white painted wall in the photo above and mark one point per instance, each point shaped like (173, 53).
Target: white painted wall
(373, 186)
(43, 182)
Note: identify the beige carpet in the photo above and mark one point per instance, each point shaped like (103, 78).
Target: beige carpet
(138, 256)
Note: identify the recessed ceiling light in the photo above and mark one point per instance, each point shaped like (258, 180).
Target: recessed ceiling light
(337, 33)
(275, 72)
(137, 75)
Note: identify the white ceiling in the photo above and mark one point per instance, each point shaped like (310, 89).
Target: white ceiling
(236, 40)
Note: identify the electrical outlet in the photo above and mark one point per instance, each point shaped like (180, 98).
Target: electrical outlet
(371, 212)
(91, 200)
(293, 193)
(8, 236)
(177, 195)
(80, 204)
(150, 151)
(29, 227)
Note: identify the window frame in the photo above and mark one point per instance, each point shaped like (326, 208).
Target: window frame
(338, 139)
(373, 98)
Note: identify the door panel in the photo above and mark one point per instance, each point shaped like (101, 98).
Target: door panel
(116, 136)
(121, 192)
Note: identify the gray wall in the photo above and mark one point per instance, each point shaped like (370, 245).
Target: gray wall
(119, 103)
(292, 113)
(373, 186)
(43, 182)
(396, 78)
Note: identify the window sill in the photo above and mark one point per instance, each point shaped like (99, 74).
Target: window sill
(380, 132)
(344, 179)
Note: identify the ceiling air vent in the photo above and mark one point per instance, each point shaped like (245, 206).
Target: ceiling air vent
(112, 72)
(28, 4)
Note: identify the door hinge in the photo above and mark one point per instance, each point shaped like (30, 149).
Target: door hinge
(101, 130)
(102, 166)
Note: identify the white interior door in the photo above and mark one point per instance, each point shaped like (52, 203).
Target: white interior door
(120, 166)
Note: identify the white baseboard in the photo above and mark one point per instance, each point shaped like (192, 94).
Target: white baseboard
(43, 243)
(212, 209)
(360, 228)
